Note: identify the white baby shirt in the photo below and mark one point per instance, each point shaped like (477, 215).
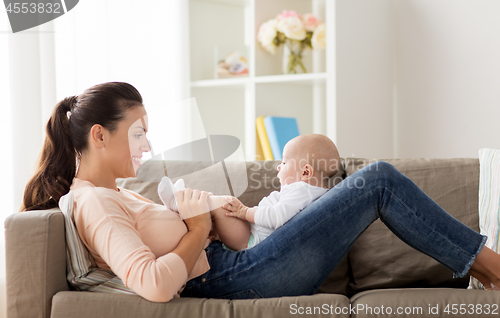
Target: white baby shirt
(280, 206)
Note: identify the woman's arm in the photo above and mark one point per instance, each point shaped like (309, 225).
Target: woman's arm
(112, 235)
(193, 202)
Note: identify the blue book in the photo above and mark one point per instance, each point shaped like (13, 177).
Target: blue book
(279, 131)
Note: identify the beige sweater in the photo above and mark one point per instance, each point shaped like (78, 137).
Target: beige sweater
(134, 237)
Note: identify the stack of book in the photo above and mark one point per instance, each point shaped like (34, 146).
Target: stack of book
(273, 133)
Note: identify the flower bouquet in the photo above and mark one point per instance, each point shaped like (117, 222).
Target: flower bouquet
(296, 33)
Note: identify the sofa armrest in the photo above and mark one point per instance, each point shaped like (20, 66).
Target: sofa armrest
(35, 262)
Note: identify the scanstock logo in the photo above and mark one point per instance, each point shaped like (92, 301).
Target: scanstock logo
(25, 14)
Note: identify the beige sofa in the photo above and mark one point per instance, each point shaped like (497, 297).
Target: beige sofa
(380, 273)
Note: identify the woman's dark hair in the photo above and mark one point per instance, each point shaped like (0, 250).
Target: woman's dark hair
(67, 135)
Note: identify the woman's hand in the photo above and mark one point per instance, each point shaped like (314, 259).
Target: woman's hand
(236, 208)
(193, 208)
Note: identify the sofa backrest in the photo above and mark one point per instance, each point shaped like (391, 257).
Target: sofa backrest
(261, 177)
(35, 262)
(379, 259)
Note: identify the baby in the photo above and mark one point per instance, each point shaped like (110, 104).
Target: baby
(308, 163)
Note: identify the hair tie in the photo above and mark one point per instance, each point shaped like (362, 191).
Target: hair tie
(68, 114)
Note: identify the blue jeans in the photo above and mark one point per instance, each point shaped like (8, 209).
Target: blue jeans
(299, 256)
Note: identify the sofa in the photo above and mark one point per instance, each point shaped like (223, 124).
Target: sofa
(380, 276)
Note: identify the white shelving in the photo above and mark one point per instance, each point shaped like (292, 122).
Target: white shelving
(307, 78)
(230, 106)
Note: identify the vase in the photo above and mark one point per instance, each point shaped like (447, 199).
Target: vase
(292, 57)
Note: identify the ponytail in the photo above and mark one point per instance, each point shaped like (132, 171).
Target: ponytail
(57, 162)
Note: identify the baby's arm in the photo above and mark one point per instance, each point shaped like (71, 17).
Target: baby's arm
(276, 209)
(239, 210)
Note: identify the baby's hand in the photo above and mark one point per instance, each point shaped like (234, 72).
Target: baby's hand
(236, 208)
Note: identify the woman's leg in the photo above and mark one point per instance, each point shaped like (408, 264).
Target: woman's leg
(298, 256)
(486, 268)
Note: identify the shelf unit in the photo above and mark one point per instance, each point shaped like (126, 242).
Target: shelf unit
(230, 106)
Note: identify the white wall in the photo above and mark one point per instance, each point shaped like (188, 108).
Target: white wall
(6, 187)
(364, 63)
(84, 47)
(129, 42)
(417, 78)
(448, 77)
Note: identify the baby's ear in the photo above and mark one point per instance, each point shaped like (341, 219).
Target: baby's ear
(307, 173)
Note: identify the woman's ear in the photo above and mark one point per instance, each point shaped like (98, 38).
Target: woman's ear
(307, 172)
(97, 135)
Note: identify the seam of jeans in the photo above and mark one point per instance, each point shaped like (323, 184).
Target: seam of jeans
(221, 277)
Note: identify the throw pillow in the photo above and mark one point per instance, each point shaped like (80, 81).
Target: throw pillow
(489, 195)
(82, 273)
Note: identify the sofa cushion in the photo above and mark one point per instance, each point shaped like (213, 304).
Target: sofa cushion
(379, 259)
(76, 304)
(426, 302)
(262, 180)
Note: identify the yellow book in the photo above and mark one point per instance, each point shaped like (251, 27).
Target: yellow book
(259, 155)
(264, 142)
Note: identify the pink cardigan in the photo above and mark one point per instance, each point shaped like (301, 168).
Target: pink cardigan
(134, 237)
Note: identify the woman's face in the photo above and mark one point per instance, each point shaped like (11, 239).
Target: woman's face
(137, 141)
(129, 143)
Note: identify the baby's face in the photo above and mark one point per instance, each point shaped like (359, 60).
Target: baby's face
(290, 169)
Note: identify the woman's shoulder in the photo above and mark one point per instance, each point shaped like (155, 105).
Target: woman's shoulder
(96, 201)
(86, 191)
(85, 188)
(104, 202)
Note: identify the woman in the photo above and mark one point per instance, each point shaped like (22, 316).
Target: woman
(158, 256)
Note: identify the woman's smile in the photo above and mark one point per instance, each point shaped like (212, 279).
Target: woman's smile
(137, 161)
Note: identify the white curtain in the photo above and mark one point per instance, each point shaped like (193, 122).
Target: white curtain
(143, 43)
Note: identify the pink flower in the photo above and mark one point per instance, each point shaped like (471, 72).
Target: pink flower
(310, 22)
(288, 14)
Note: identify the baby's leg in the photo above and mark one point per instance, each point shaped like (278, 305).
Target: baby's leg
(233, 232)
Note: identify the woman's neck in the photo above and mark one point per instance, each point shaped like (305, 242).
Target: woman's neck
(93, 172)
